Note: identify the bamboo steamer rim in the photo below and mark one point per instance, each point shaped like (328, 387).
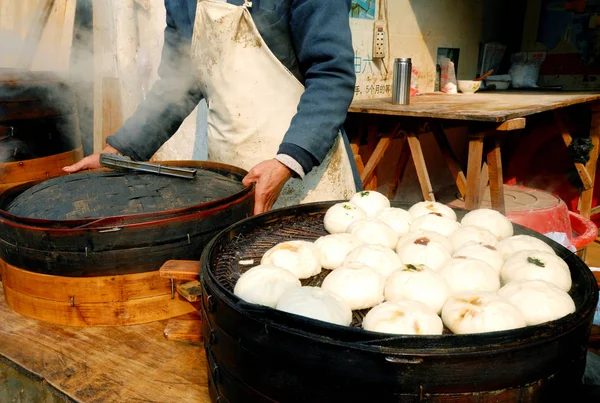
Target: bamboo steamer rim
(117, 300)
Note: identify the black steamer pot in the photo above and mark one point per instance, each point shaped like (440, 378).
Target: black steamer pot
(259, 354)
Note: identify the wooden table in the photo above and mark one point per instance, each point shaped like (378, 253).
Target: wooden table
(488, 115)
(93, 364)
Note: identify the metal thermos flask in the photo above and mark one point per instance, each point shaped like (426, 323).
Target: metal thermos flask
(401, 81)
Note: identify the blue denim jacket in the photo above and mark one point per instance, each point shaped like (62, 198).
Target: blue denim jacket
(310, 37)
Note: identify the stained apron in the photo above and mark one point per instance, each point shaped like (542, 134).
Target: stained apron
(252, 98)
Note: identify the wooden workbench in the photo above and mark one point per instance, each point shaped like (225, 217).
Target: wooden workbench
(93, 364)
(488, 115)
(494, 107)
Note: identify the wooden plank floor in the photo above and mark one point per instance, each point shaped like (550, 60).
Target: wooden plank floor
(112, 364)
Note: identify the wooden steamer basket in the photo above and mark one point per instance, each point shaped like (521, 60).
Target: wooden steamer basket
(104, 271)
(39, 127)
(259, 354)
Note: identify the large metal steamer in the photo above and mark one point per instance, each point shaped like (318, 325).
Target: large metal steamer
(258, 354)
(103, 270)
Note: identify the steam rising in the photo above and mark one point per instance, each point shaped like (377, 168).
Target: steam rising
(22, 139)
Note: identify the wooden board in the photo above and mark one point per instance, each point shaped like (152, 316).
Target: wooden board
(191, 291)
(180, 269)
(104, 365)
(185, 328)
(485, 106)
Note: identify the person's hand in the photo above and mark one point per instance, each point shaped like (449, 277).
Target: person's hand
(90, 162)
(269, 177)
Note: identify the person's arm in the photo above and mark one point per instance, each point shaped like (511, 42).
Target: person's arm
(322, 39)
(172, 98)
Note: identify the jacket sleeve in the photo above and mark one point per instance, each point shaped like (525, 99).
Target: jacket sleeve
(172, 98)
(322, 39)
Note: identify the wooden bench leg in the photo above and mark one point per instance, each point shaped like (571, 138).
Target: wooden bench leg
(417, 154)
(494, 162)
(484, 179)
(361, 166)
(587, 195)
(400, 168)
(367, 175)
(357, 158)
(475, 157)
(453, 165)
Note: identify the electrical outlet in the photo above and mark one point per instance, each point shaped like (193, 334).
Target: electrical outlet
(379, 38)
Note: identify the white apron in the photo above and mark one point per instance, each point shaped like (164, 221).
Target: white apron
(251, 99)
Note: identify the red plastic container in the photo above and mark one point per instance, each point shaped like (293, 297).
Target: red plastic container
(540, 211)
(584, 230)
(531, 167)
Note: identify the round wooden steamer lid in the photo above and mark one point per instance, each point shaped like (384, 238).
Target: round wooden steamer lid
(110, 193)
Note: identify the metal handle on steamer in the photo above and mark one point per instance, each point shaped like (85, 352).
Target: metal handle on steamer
(116, 161)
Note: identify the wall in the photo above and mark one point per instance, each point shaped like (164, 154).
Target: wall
(417, 28)
(52, 52)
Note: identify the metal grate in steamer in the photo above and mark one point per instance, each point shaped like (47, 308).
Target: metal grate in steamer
(249, 247)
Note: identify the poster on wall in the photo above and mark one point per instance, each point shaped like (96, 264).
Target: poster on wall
(363, 9)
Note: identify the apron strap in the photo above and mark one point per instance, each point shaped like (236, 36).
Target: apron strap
(247, 4)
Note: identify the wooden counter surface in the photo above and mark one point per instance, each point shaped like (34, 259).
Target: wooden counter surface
(483, 107)
(111, 364)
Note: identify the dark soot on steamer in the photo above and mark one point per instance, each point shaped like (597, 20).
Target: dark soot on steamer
(105, 194)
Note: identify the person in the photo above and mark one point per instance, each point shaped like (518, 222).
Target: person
(275, 110)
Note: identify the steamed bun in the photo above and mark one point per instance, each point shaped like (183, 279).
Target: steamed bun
(265, 284)
(334, 248)
(339, 216)
(316, 303)
(435, 222)
(396, 218)
(423, 251)
(301, 258)
(359, 285)
(480, 312)
(418, 283)
(373, 231)
(378, 257)
(472, 234)
(491, 220)
(371, 202)
(403, 317)
(426, 207)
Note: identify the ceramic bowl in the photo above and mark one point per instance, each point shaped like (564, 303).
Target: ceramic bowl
(468, 86)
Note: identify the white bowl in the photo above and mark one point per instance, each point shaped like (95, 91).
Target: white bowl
(468, 86)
